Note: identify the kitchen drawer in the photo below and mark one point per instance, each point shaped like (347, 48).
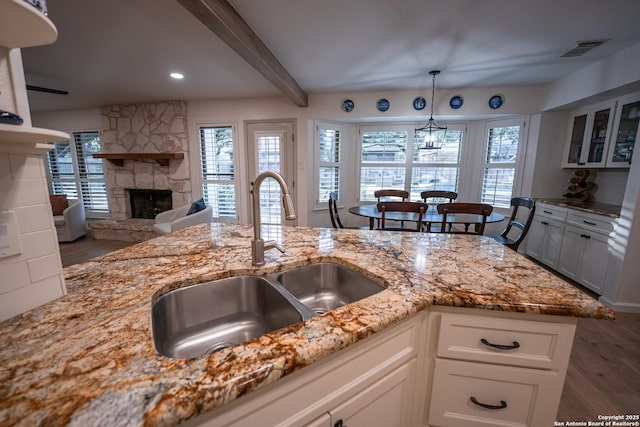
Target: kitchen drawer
(596, 223)
(540, 345)
(551, 211)
(526, 397)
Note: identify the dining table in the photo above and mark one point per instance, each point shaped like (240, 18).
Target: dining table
(431, 216)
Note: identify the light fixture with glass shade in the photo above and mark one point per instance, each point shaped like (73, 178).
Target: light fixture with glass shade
(435, 133)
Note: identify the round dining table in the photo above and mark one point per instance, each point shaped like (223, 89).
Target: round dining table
(431, 216)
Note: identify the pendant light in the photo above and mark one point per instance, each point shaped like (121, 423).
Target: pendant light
(435, 133)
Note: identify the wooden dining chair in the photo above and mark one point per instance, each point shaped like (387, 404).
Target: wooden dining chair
(335, 216)
(409, 207)
(440, 196)
(522, 223)
(445, 209)
(384, 195)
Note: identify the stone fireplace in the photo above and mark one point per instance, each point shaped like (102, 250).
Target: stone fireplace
(148, 150)
(149, 203)
(149, 128)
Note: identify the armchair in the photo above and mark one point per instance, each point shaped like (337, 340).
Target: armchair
(177, 219)
(72, 224)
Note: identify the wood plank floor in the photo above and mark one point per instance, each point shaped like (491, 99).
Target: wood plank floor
(603, 377)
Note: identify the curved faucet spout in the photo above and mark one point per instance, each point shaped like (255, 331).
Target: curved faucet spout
(258, 245)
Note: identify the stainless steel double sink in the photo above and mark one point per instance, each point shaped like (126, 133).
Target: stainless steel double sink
(200, 319)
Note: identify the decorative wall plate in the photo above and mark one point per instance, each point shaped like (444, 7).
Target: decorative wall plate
(383, 104)
(347, 105)
(496, 102)
(419, 103)
(456, 102)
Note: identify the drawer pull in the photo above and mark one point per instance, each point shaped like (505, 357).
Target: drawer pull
(499, 346)
(502, 404)
(585, 236)
(544, 223)
(547, 212)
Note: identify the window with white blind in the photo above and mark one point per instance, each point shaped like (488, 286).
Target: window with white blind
(395, 156)
(218, 171)
(501, 162)
(328, 139)
(72, 170)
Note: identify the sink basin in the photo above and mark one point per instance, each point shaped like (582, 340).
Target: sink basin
(196, 320)
(325, 286)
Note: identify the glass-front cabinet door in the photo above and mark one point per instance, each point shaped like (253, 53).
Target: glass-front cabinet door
(588, 136)
(625, 132)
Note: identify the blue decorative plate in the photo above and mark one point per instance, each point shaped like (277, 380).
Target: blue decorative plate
(496, 102)
(383, 104)
(419, 103)
(347, 105)
(456, 102)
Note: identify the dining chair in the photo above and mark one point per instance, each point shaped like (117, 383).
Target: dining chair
(445, 209)
(522, 223)
(335, 216)
(409, 207)
(386, 193)
(439, 196)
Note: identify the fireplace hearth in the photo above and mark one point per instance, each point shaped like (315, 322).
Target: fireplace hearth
(149, 203)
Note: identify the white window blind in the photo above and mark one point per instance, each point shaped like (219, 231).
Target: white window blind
(500, 164)
(73, 171)
(217, 167)
(329, 141)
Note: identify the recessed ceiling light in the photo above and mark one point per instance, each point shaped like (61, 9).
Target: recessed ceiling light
(177, 76)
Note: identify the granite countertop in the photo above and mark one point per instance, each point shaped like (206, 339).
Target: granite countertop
(88, 358)
(605, 209)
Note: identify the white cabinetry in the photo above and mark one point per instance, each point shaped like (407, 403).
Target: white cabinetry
(493, 369)
(625, 132)
(585, 252)
(589, 136)
(371, 383)
(545, 236)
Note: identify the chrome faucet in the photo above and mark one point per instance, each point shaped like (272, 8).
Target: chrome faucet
(258, 246)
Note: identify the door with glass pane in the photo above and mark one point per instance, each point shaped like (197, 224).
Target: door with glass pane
(270, 148)
(625, 132)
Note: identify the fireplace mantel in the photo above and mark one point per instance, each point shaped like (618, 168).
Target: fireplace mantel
(119, 158)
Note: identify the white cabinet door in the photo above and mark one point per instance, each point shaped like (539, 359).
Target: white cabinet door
(570, 259)
(385, 403)
(585, 257)
(589, 136)
(625, 132)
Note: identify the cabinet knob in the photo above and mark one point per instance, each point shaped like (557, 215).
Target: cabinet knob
(502, 404)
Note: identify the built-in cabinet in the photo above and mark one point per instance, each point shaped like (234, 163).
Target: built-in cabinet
(575, 243)
(442, 367)
(589, 136)
(603, 135)
(625, 132)
(545, 236)
(496, 370)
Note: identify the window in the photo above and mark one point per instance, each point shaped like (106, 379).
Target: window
(394, 156)
(328, 138)
(217, 167)
(500, 162)
(73, 171)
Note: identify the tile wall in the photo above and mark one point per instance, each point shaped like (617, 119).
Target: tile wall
(35, 276)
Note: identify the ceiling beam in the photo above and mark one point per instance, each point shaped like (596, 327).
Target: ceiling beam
(223, 20)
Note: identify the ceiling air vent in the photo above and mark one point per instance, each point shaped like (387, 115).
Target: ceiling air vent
(582, 47)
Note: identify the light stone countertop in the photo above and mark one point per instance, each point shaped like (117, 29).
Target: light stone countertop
(612, 211)
(88, 358)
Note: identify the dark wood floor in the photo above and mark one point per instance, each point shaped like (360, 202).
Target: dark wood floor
(603, 377)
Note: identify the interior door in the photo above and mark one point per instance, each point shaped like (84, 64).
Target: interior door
(270, 147)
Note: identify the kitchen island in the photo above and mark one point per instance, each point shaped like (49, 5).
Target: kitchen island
(88, 358)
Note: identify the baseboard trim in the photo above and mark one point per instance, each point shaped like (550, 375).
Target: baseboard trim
(622, 307)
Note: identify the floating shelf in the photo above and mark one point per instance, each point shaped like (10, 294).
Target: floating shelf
(22, 25)
(25, 139)
(119, 158)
